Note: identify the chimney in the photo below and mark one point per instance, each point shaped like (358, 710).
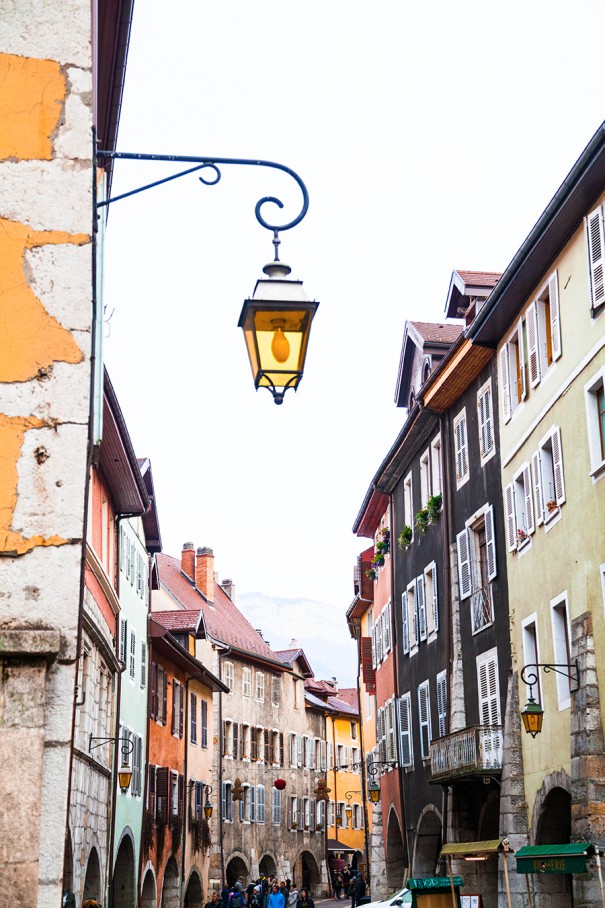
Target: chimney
(294, 644)
(229, 588)
(188, 560)
(334, 684)
(204, 572)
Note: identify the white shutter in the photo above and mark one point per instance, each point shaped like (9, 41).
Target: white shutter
(555, 321)
(486, 433)
(442, 702)
(133, 654)
(505, 382)
(379, 640)
(405, 635)
(461, 452)
(538, 496)
(509, 509)
(557, 466)
(435, 599)
(405, 730)
(531, 320)
(386, 628)
(424, 716)
(521, 350)
(464, 563)
(527, 494)
(420, 599)
(374, 663)
(596, 246)
(123, 636)
(490, 543)
(489, 701)
(143, 663)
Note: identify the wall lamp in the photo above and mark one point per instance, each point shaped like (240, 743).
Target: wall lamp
(208, 804)
(276, 320)
(533, 714)
(126, 748)
(373, 769)
(348, 808)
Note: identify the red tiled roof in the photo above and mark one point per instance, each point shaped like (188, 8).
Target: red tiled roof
(349, 695)
(438, 332)
(342, 706)
(223, 621)
(180, 620)
(324, 687)
(287, 655)
(480, 278)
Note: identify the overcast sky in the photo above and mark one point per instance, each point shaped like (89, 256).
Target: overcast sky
(430, 136)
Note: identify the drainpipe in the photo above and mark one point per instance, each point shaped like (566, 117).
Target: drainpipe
(363, 770)
(225, 652)
(147, 735)
(445, 424)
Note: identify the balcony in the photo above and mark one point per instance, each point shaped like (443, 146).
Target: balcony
(466, 754)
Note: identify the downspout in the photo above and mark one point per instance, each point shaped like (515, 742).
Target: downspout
(363, 767)
(148, 735)
(444, 424)
(225, 652)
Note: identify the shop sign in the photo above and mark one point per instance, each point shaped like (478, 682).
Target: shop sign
(434, 882)
(559, 864)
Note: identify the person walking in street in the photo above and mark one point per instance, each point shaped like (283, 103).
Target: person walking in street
(304, 899)
(337, 885)
(215, 901)
(357, 889)
(276, 898)
(346, 881)
(293, 896)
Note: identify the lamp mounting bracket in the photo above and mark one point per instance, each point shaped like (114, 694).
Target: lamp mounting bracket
(126, 748)
(569, 670)
(210, 178)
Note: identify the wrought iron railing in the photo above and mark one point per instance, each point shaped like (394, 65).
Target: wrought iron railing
(473, 750)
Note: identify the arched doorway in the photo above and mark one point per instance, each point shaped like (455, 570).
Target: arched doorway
(357, 861)
(148, 896)
(124, 884)
(68, 864)
(92, 880)
(170, 886)
(193, 894)
(554, 828)
(236, 868)
(394, 854)
(307, 872)
(266, 866)
(428, 843)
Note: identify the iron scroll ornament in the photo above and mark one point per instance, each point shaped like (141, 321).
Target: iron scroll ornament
(570, 670)
(201, 163)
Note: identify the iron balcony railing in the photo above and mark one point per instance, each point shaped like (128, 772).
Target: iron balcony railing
(472, 751)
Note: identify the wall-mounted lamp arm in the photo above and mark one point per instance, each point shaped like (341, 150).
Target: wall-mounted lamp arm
(569, 670)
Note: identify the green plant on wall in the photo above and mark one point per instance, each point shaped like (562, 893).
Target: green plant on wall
(405, 538)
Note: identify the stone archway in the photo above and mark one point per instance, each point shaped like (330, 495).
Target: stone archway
(68, 864)
(267, 866)
(148, 891)
(394, 853)
(170, 886)
(124, 881)
(307, 872)
(236, 867)
(194, 895)
(92, 880)
(427, 844)
(552, 818)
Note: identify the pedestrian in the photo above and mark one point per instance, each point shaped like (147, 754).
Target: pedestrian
(276, 898)
(237, 896)
(304, 899)
(359, 890)
(337, 885)
(292, 896)
(215, 901)
(346, 881)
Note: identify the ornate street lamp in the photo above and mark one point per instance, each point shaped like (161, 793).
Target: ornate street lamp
(533, 714)
(374, 792)
(208, 805)
(126, 748)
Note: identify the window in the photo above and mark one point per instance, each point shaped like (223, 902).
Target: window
(531, 656)
(357, 817)
(560, 637)
(177, 709)
(252, 796)
(595, 247)
(408, 503)
(193, 712)
(260, 804)
(245, 742)
(594, 395)
(228, 675)
(549, 483)
(132, 656)
(425, 477)
(276, 808)
(390, 726)
(405, 730)
(442, 703)
(158, 694)
(476, 546)
(260, 686)
(461, 449)
(320, 814)
(228, 738)
(341, 813)
(293, 812)
(175, 793)
(297, 703)
(247, 682)
(331, 819)
(412, 617)
(123, 639)
(424, 719)
(421, 607)
(543, 330)
(293, 750)
(307, 812)
(436, 483)
(487, 443)
(227, 802)
(432, 601)
(353, 731)
(204, 724)
(137, 755)
(520, 499)
(513, 383)
(275, 690)
(488, 688)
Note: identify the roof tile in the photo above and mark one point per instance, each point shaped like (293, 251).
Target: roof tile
(438, 332)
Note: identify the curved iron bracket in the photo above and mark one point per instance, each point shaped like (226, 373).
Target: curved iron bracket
(203, 163)
(373, 767)
(569, 670)
(126, 745)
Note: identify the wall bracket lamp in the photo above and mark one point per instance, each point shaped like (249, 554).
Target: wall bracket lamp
(533, 714)
(126, 748)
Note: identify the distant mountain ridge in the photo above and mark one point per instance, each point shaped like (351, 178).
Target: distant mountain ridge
(319, 627)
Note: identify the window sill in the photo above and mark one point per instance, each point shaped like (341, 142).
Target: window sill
(598, 472)
(523, 547)
(483, 627)
(552, 520)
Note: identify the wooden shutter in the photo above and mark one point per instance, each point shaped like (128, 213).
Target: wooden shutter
(435, 603)
(164, 681)
(181, 796)
(367, 664)
(281, 749)
(161, 792)
(555, 320)
(505, 383)
(490, 543)
(405, 620)
(557, 466)
(521, 354)
(596, 247)
(442, 703)
(464, 563)
(424, 718)
(224, 800)
(204, 723)
(312, 753)
(235, 740)
(489, 702)
(531, 320)
(386, 629)
(537, 483)
(224, 748)
(509, 510)
(391, 745)
(461, 448)
(421, 607)
(379, 637)
(252, 793)
(153, 700)
(151, 790)
(174, 696)
(133, 655)
(123, 638)
(143, 664)
(528, 496)
(181, 709)
(193, 710)
(374, 663)
(267, 747)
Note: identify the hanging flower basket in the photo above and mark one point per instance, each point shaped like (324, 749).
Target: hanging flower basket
(405, 538)
(433, 506)
(422, 520)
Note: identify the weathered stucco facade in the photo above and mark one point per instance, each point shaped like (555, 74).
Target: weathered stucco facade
(45, 281)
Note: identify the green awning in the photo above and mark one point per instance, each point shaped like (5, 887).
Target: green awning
(462, 849)
(554, 858)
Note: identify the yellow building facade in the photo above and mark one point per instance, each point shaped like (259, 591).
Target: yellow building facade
(347, 816)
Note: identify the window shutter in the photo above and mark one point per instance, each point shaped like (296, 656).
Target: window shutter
(311, 753)
(175, 686)
(153, 706)
(483, 434)
(537, 477)
(505, 383)
(133, 654)
(281, 749)
(509, 508)
(424, 719)
(151, 790)
(461, 452)
(260, 804)
(224, 800)
(121, 547)
(391, 753)
(555, 321)
(464, 563)
(406, 630)
(204, 723)
(435, 598)
(420, 599)
(235, 740)
(386, 629)
(161, 789)
(181, 796)
(527, 494)
(299, 750)
(367, 664)
(594, 241)
(267, 747)
(252, 804)
(489, 705)
(557, 466)
(521, 350)
(379, 640)
(490, 543)
(143, 663)
(374, 663)
(164, 697)
(442, 703)
(123, 638)
(193, 709)
(224, 737)
(531, 320)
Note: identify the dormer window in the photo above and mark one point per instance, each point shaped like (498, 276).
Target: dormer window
(426, 371)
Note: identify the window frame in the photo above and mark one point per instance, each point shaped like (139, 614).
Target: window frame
(424, 688)
(561, 640)
(485, 417)
(595, 427)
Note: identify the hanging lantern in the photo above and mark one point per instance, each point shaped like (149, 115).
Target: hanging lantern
(280, 784)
